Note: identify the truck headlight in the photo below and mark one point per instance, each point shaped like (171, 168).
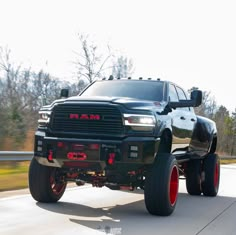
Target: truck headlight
(139, 120)
(44, 117)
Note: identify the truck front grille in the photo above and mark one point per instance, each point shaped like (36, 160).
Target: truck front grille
(87, 119)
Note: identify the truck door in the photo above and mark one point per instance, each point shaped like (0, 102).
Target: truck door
(183, 120)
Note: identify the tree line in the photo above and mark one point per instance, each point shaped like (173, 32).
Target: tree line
(23, 91)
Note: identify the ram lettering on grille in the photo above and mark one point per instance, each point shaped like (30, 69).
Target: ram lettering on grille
(84, 116)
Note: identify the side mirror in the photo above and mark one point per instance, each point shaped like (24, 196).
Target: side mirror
(196, 97)
(195, 101)
(64, 93)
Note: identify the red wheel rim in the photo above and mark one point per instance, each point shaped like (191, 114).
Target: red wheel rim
(57, 187)
(174, 185)
(216, 175)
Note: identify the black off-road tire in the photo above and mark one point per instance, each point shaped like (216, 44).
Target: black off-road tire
(211, 175)
(193, 177)
(44, 182)
(161, 185)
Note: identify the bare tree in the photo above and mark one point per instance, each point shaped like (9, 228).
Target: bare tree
(122, 67)
(222, 120)
(208, 107)
(90, 64)
(14, 124)
(22, 93)
(233, 152)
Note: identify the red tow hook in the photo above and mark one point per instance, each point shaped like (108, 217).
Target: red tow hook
(111, 158)
(50, 155)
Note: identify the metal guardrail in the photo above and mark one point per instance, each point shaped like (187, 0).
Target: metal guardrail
(227, 157)
(27, 156)
(15, 156)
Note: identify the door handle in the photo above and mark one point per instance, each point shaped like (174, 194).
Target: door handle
(192, 119)
(182, 118)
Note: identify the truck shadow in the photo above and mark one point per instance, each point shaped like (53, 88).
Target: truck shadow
(132, 218)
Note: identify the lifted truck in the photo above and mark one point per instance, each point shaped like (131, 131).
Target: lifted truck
(126, 134)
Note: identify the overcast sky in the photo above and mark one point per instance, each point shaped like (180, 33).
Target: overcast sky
(192, 43)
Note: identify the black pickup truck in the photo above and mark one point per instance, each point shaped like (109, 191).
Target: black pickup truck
(126, 134)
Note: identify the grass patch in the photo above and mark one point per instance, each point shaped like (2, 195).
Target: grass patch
(13, 182)
(227, 161)
(15, 168)
(13, 175)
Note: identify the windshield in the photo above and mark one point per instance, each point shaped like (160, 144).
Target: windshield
(144, 90)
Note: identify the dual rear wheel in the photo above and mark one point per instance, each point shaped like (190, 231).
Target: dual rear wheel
(162, 181)
(203, 176)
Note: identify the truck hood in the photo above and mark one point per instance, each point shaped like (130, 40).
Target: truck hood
(129, 103)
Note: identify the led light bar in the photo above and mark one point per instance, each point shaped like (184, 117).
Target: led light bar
(44, 117)
(139, 120)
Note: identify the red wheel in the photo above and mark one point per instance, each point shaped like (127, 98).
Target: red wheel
(46, 184)
(57, 186)
(174, 185)
(216, 175)
(161, 185)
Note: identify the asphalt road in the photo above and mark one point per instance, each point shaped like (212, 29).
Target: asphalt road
(87, 210)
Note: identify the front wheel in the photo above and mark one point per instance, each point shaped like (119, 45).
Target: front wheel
(161, 185)
(45, 183)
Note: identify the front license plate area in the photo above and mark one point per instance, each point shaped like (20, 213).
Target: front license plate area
(78, 151)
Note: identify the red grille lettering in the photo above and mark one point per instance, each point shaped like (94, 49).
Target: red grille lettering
(94, 117)
(84, 116)
(74, 116)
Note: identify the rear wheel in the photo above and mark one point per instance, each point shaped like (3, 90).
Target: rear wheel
(161, 185)
(193, 177)
(211, 175)
(45, 183)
